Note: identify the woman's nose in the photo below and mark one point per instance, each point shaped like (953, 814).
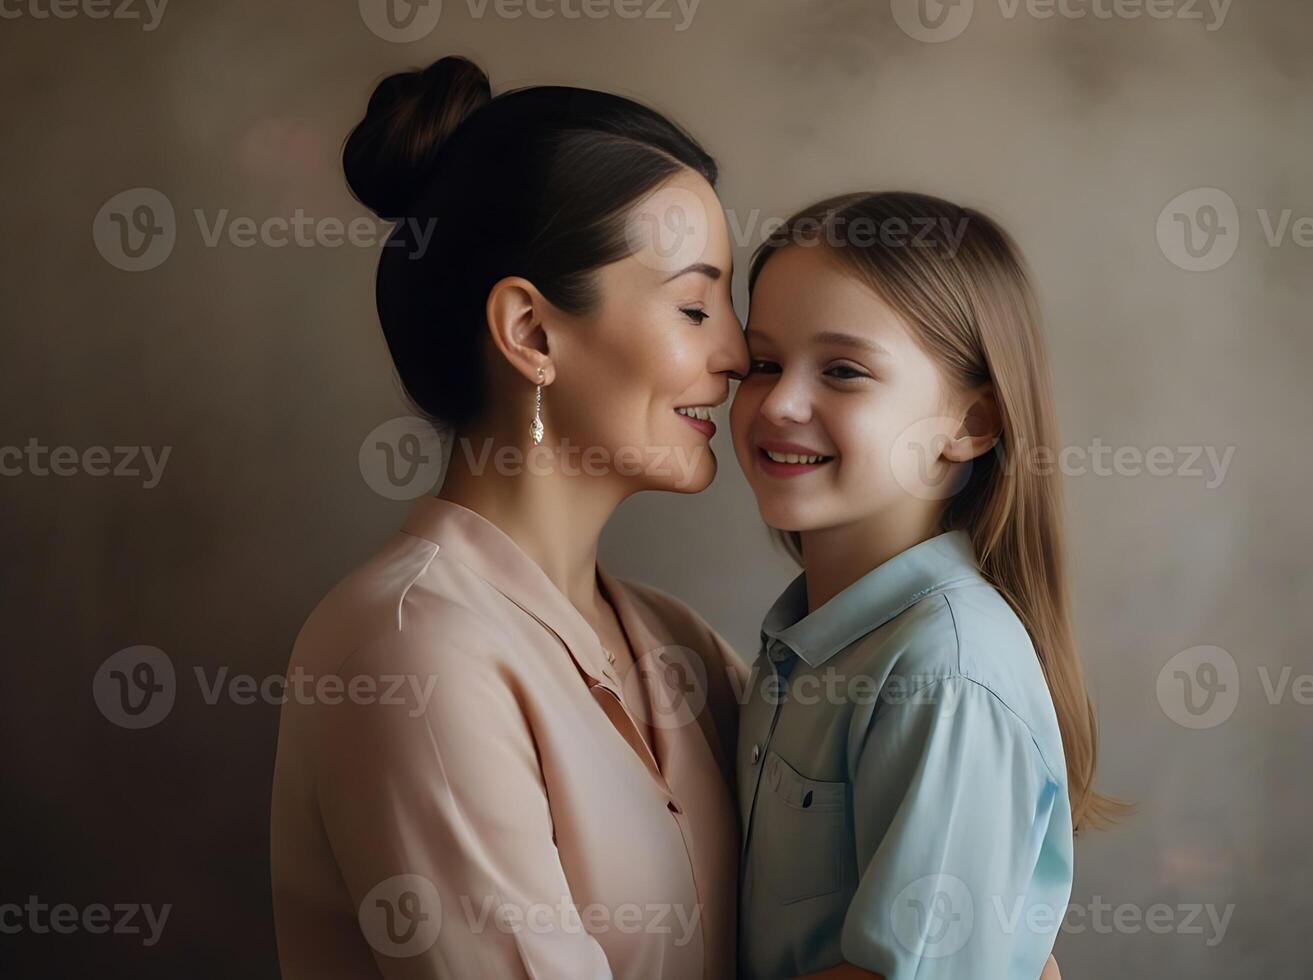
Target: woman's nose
(731, 351)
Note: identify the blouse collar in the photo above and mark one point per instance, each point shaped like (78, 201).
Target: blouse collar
(490, 553)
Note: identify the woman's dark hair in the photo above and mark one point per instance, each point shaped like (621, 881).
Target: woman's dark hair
(536, 182)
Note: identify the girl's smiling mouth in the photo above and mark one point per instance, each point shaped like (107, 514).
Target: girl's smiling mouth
(789, 459)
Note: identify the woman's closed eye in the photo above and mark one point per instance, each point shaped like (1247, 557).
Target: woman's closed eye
(694, 313)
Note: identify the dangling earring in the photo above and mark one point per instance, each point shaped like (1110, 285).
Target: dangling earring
(536, 429)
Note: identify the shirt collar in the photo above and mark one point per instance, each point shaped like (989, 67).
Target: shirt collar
(490, 553)
(877, 597)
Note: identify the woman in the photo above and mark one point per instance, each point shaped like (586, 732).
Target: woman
(516, 764)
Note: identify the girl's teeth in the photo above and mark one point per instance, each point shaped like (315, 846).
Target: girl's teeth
(697, 412)
(794, 458)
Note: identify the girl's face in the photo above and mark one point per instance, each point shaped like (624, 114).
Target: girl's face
(634, 374)
(843, 417)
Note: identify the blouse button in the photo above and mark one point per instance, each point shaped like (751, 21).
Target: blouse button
(756, 753)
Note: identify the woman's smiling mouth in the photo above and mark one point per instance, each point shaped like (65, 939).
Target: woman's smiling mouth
(698, 416)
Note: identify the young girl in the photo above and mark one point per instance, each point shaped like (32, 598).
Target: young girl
(917, 745)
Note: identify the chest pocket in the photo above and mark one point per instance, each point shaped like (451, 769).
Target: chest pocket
(801, 831)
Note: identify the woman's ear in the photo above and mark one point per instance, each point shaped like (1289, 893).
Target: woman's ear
(982, 426)
(515, 318)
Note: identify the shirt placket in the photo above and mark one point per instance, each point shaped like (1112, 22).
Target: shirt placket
(775, 654)
(607, 693)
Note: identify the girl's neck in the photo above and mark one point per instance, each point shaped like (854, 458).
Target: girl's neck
(554, 517)
(836, 557)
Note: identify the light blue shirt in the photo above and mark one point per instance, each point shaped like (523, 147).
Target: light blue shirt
(901, 781)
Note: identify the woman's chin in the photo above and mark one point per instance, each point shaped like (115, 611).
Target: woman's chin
(694, 479)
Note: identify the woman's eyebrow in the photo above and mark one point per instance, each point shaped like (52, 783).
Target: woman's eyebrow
(710, 271)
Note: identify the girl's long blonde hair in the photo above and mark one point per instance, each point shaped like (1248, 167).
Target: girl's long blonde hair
(958, 281)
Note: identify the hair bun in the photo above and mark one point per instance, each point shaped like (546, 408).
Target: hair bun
(389, 156)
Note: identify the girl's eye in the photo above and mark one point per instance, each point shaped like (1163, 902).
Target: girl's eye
(845, 373)
(758, 366)
(694, 314)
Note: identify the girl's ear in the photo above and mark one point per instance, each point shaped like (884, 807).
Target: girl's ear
(514, 312)
(982, 426)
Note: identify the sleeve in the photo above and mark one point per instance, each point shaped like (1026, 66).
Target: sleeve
(434, 803)
(951, 808)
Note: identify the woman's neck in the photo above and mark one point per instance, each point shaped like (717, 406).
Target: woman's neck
(554, 517)
(836, 557)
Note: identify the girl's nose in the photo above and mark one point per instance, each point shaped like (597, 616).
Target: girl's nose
(787, 402)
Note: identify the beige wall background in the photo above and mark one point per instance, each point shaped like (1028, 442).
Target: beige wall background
(261, 371)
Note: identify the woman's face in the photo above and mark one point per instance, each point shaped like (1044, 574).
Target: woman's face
(841, 413)
(637, 376)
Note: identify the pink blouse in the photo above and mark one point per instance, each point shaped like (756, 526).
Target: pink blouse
(462, 788)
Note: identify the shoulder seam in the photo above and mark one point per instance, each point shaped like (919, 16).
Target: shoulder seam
(1062, 779)
(401, 600)
(347, 657)
(956, 669)
(1030, 732)
(957, 634)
